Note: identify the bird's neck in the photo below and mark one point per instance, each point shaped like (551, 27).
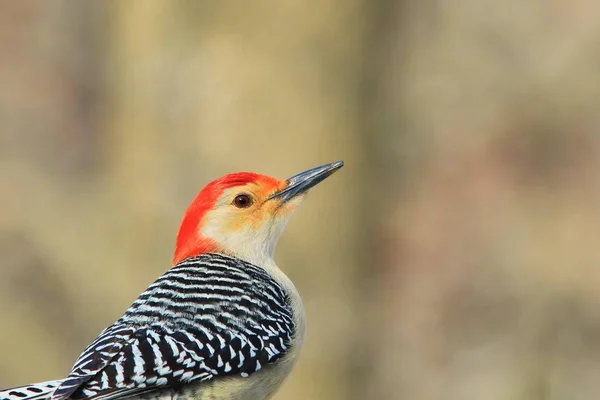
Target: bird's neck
(190, 248)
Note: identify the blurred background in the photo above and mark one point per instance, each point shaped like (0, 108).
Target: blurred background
(456, 256)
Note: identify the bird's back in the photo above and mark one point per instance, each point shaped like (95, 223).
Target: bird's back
(209, 316)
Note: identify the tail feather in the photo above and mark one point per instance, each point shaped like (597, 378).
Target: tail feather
(34, 391)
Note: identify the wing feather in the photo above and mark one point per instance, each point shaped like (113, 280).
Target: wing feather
(208, 317)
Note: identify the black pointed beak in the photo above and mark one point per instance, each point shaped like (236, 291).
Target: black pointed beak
(303, 181)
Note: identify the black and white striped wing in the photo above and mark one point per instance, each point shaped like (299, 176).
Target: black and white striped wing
(34, 391)
(94, 359)
(210, 316)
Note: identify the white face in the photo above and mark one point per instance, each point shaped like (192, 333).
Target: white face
(251, 231)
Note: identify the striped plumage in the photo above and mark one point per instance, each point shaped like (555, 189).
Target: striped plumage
(224, 323)
(41, 390)
(209, 316)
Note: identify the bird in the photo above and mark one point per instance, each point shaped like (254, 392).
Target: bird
(224, 322)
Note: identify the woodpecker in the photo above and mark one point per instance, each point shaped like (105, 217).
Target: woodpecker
(223, 323)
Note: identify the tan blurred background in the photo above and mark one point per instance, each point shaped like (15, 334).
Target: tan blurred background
(456, 256)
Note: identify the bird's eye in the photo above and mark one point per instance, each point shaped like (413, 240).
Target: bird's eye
(242, 201)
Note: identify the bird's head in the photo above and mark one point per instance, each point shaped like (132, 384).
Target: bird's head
(243, 214)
